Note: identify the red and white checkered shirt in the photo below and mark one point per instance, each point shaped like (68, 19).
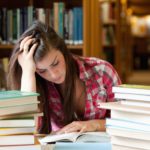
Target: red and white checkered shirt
(99, 76)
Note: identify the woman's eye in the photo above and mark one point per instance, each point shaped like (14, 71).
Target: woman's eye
(42, 71)
(55, 64)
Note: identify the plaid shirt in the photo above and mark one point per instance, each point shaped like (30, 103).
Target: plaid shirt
(99, 76)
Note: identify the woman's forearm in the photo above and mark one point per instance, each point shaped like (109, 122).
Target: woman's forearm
(28, 82)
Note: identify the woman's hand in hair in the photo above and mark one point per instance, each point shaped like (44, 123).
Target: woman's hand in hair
(25, 58)
(83, 126)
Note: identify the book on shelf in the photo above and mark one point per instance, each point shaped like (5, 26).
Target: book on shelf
(17, 140)
(14, 98)
(132, 89)
(129, 96)
(125, 108)
(77, 137)
(134, 143)
(17, 131)
(128, 133)
(131, 116)
(127, 124)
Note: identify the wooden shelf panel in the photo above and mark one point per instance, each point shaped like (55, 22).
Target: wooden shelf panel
(107, 1)
(5, 49)
(110, 22)
(10, 46)
(139, 77)
(6, 46)
(75, 46)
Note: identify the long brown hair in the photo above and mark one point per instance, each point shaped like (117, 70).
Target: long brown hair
(47, 39)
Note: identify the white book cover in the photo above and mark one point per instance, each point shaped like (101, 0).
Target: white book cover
(130, 116)
(136, 103)
(118, 147)
(19, 109)
(16, 140)
(127, 124)
(132, 89)
(124, 108)
(128, 133)
(132, 96)
(26, 147)
(30, 122)
(134, 143)
(12, 131)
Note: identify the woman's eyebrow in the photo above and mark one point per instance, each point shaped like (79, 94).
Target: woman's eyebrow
(49, 65)
(53, 61)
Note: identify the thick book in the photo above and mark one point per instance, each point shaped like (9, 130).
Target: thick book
(26, 122)
(15, 131)
(127, 125)
(14, 98)
(124, 108)
(136, 103)
(16, 140)
(19, 109)
(130, 116)
(128, 133)
(129, 96)
(25, 147)
(20, 116)
(132, 89)
(134, 143)
(77, 137)
(118, 147)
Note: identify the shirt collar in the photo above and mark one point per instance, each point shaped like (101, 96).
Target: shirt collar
(84, 74)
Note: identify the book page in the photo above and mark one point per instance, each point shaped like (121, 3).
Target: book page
(93, 137)
(59, 137)
(77, 137)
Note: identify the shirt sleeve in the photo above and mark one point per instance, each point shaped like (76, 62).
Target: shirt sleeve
(110, 79)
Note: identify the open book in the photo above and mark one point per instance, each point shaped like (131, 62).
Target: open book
(76, 137)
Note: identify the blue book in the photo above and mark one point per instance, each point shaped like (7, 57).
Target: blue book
(75, 25)
(82, 146)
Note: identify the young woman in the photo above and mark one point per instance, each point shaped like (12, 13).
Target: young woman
(70, 86)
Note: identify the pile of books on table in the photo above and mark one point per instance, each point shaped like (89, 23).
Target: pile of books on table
(18, 114)
(129, 125)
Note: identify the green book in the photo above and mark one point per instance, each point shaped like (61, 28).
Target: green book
(16, 98)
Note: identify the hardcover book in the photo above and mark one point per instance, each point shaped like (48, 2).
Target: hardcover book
(14, 98)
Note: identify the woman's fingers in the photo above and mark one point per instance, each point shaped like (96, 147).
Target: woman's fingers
(33, 48)
(24, 41)
(73, 127)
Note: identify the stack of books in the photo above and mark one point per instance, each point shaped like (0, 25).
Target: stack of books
(129, 125)
(18, 113)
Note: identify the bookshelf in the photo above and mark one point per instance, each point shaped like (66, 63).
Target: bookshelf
(110, 32)
(139, 59)
(85, 48)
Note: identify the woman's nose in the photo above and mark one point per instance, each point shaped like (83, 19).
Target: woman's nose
(52, 73)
